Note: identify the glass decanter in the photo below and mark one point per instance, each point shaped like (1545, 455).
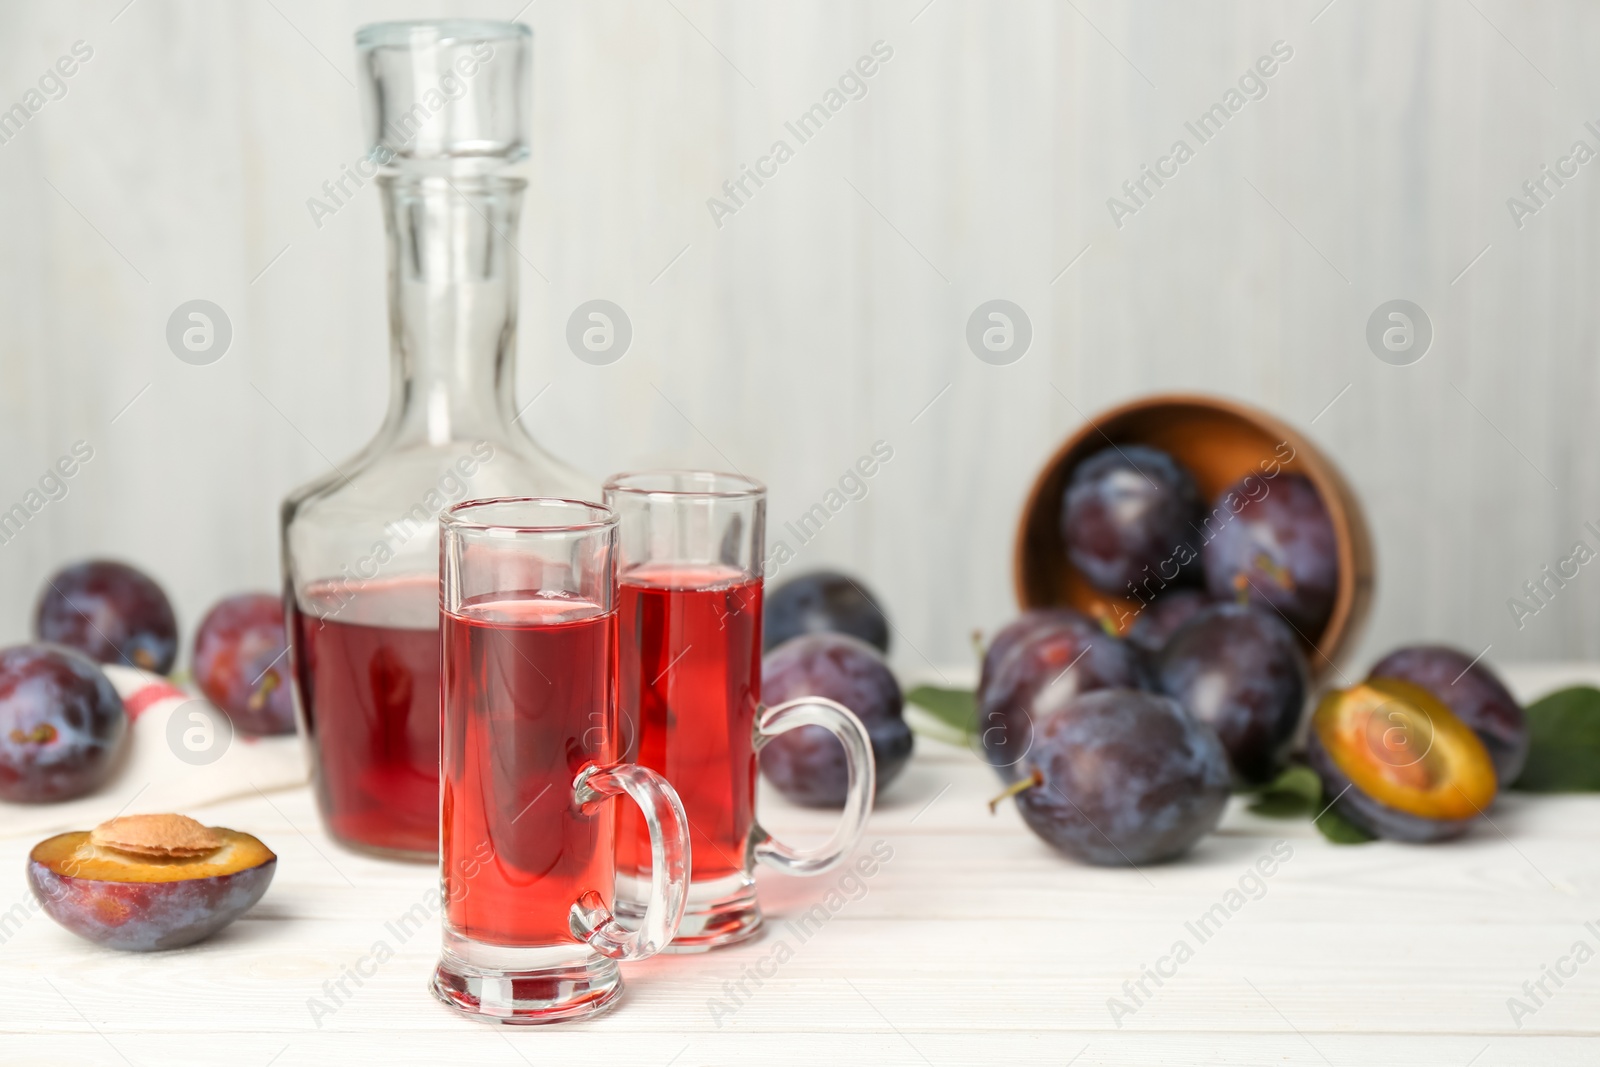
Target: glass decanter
(445, 113)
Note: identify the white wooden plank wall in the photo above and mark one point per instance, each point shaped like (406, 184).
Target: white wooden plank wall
(829, 311)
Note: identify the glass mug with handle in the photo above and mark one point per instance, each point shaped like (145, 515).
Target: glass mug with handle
(689, 670)
(530, 754)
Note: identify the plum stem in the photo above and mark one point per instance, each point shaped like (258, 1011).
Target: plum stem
(977, 645)
(1275, 570)
(41, 734)
(1033, 781)
(1107, 623)
(258, 699)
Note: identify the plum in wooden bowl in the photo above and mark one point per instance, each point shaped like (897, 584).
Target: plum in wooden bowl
(1182, 491)
(145, 882)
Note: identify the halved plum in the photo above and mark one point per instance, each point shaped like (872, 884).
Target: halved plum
(1399, 762)
(1471, 689)
(146, 882)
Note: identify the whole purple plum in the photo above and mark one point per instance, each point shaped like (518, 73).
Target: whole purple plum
(1159, 620)
(1128, 514)
(1278, 550)
(1240, 670)
(240, 662)
(807, 764)
(823, 602)
(1037, 665)
(1016, 631)
(1123, 777)
(1471, 690)
(61, 724)
(110, 612)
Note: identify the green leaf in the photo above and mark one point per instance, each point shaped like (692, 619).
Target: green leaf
(1294, 794)
(1339, 830)
(956, 708)
(1297, 794)
(1564, 748)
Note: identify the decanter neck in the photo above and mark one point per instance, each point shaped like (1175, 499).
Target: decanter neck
(452, 305)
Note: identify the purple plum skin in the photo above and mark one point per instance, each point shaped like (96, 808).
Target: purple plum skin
(1163, 617)
(1373, 816)
(1128, 512)
(148, 916)
(1017, 631)
(61, 724)
(1240, 670)
(1127, 778)
(1282, 542)
(1474, 693)
(239, 663)
(807, 764)
(1036, 666)
(824, 602)
(110, 612)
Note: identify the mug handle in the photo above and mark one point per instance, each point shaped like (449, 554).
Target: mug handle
(663, 812)
(861, 779)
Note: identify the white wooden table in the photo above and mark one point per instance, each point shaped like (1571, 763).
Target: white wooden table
(973, 944)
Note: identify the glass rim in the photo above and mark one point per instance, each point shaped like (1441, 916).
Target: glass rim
(397, 33)
(724, 486)
(599, 517)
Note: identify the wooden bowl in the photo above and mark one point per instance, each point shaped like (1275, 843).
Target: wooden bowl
(1219, 441)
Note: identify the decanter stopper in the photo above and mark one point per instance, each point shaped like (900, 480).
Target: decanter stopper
(445, 97)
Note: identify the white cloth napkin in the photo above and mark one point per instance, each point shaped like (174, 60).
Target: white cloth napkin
(179, 753)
